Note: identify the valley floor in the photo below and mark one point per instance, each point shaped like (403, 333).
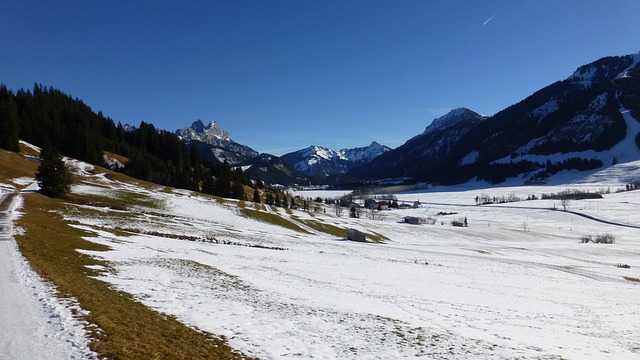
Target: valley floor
(515, 283)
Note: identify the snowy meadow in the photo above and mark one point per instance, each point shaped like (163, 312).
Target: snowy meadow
(516, 283)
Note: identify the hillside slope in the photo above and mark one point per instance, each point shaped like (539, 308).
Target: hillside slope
(587, 121)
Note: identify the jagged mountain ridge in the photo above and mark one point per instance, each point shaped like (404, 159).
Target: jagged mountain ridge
(214, 142)
(320, 161)
(315, 161)
(583, 117)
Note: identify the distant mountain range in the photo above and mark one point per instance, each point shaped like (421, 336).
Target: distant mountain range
(587, 121)
(320, 161)
(312, 162)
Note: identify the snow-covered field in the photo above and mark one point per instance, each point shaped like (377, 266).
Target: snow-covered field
(516, 283)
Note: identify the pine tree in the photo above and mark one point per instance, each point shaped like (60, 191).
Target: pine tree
(223, 181)
(53, 176)
(256, 196)
(238, 191)
(269, 199)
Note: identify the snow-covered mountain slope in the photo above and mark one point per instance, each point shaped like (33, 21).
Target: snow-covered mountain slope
(215, 142)
(585, 122)
(272, 170)
(321, 161)
(426, 150)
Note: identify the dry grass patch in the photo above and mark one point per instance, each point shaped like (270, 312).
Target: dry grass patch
(117, 199)
(15, 165)
(337, 231)
(28, 151)
(325, 228)
(128, 330)
(271, 219)
(376, 237)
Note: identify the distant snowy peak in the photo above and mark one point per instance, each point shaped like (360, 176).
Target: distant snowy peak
(359, 154)
(322, 161)
(210, 134)
(365, 154)
(452, 118)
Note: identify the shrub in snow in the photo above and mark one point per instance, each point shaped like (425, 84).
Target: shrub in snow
(586, 239)
(605, 238)
(430, 220)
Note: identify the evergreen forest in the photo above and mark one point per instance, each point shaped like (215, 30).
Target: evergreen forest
(49, 118)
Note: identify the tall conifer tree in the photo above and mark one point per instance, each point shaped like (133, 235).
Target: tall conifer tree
(53, 176)
(9, 125)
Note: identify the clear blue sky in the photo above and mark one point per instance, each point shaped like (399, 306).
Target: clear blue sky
(285, 74)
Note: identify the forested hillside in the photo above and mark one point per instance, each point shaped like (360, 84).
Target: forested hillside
(577, 123)
(47, 117)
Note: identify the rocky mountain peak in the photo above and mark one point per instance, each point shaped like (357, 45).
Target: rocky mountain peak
(210, 134)
(453, 118)
(217, 142)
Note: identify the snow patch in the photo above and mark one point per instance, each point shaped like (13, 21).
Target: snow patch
(22, 181)
(470, 158)
(626, 73)
(584, 76)
(113, 163)
(544, 110)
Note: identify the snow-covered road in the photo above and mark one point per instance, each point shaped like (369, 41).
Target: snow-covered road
(34, 324)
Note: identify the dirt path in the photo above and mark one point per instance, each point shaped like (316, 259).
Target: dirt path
(6, 229)
(34, 324)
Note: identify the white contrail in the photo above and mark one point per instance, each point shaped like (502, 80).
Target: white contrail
(489, 19)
